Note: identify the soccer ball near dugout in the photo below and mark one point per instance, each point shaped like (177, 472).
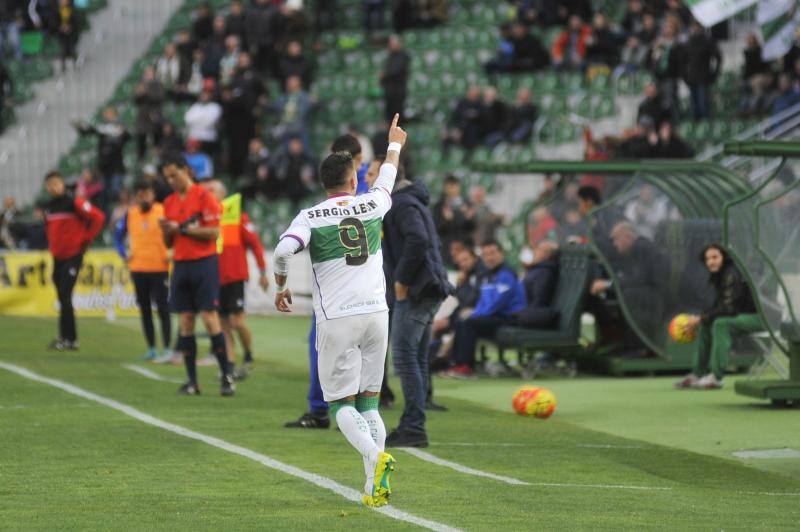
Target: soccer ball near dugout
(679, 329)
(534, 401)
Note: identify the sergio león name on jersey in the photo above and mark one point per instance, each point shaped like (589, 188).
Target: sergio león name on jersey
(343, 237)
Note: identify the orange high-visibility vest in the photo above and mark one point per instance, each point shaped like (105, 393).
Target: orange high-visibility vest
(230, 225)
(148, 253)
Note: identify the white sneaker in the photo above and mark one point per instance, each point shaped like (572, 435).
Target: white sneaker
(687, 382)
(210, 360)
(709, 382)
(166, 358)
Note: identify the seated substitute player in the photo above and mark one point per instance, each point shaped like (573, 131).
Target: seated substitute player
(237, 238)
(148, 263)
(71, 223)
(317, 415)
(343, 234)
(191, 228)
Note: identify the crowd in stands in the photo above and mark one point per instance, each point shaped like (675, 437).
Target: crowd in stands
(222, 69)
(60, 21)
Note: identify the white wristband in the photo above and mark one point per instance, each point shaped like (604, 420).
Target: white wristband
(394, 146)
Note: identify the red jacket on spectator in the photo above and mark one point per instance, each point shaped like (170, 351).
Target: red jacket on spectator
(72, 224)
(233, 259)
(562, 41)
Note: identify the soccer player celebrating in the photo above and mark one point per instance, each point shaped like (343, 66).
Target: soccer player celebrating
(237, 237)
(317, 415)
(72, 224)
(191, 228)
(343, 234)
(148, 263)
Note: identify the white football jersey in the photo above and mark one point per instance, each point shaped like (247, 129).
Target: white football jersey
(343, 237)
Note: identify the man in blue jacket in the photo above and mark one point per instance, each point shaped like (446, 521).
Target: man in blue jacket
(501, 296)
(416, 285)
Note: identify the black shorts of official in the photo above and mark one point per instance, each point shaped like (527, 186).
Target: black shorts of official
(231, 298)
(194, 286)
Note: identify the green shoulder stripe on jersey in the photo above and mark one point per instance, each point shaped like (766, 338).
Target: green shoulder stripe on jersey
(353, 240)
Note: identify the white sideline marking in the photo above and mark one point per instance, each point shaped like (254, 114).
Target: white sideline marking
(428, 457)
(318, 480)
(490, 444)
(150, 374)
(477, 444)
(607, 446)
(768, 453)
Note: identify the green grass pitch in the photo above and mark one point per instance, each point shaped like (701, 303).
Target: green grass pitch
(70, 463)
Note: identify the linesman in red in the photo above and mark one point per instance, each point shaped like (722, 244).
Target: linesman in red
(72, 224)
(191, 227)
(238, 237)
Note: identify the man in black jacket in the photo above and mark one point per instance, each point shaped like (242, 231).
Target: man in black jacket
(703, 63)
(540, 283)
(394, 78)
(416, 285)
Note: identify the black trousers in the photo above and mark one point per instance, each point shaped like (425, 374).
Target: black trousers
(469, 331)
(153, 287)
(65, 275)
(394, 102)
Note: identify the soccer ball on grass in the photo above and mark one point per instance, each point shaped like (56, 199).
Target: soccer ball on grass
(534, 401)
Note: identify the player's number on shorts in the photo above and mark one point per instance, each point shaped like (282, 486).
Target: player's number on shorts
(347, 227)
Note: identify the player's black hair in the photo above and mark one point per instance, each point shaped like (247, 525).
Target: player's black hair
(451, 179)
(53, 174)
(494, 243)
(335, 169)
(142, 184)
(589, 193)
(346, 143)
(174, 159)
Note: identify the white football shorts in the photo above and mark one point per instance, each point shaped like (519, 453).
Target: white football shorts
(352, 353)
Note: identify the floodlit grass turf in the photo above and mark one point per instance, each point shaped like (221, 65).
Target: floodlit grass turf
(70, 463)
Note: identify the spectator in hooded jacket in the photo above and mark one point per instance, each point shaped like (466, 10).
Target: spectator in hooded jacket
(416, 286)
(733, 314)
(502, 295)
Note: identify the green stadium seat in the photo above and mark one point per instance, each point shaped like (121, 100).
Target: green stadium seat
(573, 282)
(605, 107)
(31, 42)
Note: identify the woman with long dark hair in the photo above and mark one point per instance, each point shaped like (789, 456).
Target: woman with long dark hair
(732, 314)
